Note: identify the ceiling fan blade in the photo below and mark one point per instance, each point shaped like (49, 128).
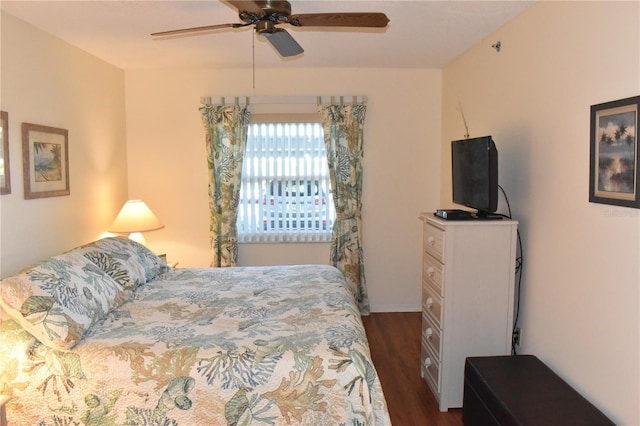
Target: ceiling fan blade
(197, 29)
(282, 41)
(250, 6)
(354, 19)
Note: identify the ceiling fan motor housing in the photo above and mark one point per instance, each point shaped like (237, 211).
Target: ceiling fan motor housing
(275, 11)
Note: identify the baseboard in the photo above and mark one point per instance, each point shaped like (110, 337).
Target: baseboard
(395, 308)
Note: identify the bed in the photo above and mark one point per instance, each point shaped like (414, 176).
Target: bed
(107, 334)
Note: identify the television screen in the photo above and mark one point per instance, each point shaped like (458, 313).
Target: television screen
(474, 168)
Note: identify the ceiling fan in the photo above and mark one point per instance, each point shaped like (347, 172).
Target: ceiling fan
(264, 15)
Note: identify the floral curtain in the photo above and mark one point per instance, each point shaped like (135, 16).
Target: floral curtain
(226, 137)
(343, 134)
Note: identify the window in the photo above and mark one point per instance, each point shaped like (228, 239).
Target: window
(286, 192)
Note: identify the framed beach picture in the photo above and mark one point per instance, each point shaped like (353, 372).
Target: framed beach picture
(45, 152)
(5, 175)
(614, 171)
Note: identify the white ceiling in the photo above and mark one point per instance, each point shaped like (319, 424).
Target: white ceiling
(421, 33)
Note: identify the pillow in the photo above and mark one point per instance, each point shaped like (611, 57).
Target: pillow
(60, 298)
(112, 267)
(129, 263)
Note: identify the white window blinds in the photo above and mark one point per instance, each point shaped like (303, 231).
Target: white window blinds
(286, 192)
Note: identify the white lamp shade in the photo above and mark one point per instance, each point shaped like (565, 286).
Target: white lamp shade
(135, 216)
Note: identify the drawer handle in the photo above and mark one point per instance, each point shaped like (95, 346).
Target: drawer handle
(430, 272)
(429, 302)
(431, 241)
(428, 333)
(427, 362)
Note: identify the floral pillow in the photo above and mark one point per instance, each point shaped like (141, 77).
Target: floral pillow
(60, 298)
(129, 263)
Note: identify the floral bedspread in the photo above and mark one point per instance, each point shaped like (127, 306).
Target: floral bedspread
(232, 346)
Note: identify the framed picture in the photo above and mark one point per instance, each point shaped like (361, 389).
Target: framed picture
(45, 155)
(5, 174)
(614, 171)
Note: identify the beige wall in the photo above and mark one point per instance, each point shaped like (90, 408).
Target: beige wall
(46, 81)
(580, 298)
(167, 165)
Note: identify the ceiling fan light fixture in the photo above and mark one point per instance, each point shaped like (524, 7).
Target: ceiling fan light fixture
(265, 28)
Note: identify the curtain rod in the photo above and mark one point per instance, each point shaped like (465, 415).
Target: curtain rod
(295, 100)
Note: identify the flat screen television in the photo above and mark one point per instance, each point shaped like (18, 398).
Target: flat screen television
(474, 168)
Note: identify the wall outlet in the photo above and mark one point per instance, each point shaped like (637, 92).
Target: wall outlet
(517, 333)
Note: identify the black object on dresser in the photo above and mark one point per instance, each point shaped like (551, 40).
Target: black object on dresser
(522, 390)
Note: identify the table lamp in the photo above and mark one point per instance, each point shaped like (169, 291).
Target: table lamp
(135, 217)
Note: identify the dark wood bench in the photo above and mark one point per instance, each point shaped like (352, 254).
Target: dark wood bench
(522, 390)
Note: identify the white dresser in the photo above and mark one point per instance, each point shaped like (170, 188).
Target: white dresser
(467, 298)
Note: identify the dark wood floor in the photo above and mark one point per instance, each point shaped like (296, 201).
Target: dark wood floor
(395, 348)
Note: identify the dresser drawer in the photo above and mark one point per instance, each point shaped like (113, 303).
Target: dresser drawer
(431, 334)
(432, 304)
(432, 273)
(430, 367)
(433, 241)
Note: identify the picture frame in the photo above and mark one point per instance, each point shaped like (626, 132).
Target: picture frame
(45, 156)
(614, 170)
(5, 170)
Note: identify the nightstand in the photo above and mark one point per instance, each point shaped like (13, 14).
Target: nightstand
(3, 413)
(164, 259)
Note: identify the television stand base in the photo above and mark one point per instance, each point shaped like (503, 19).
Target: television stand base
(491, 216)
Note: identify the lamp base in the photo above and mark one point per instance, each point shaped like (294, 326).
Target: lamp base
(138, 238)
